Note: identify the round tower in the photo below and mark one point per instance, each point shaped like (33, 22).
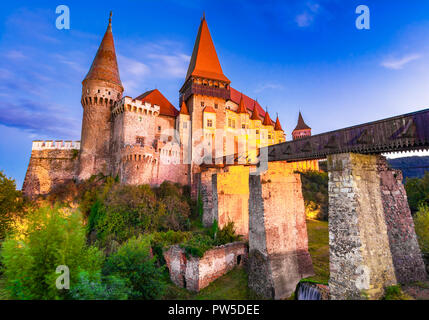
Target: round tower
(101, 89)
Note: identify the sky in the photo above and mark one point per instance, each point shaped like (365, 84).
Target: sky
(293, 55)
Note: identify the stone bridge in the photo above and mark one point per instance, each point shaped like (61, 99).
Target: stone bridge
(371, 232)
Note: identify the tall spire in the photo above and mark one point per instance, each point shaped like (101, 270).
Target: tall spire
(105, 66)
(255, 113)
(301, 124)
(267, 120)
(204, 61)
(277, 126)
(241, 106)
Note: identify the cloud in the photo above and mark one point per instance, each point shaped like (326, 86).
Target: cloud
(307, 17)
(399, 63)
(37, 118)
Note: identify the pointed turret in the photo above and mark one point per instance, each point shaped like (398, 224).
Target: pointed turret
(105, 66)
(204, 61)
(301, 124)
(241, 106)
(277, 126)
(255, 113)
(184, 109)
(302, 129)
(267, 120)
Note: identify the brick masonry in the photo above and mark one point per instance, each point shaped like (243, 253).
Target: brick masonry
(195, 273)
(278, 243)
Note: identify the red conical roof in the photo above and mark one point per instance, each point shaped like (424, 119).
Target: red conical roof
(204, 61)
(267, 120)
(255, 114)
(277, 126)
(184, 109)
(301, 124)
(241, 106)
(105, 66)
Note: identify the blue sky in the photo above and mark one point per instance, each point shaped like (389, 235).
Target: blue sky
(290, 55)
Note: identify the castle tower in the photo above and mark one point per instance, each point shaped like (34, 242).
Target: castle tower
(301, 130)
(183, 126)
(268, 127)
(101, 88)
(278, 132)
(205, 92)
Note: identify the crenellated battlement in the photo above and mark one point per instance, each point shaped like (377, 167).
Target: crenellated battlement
(138, 152)
(137, 106)
(55, 144)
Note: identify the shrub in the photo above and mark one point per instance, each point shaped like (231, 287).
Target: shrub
(129, 211)
(96, 287)
(10, 203)
(133, 262)
(226, 234)
(54, 237)
(417, 191)
(315, 193)
(421, 222)
(198, 245)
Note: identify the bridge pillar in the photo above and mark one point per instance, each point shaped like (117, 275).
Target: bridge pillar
(361, 263)
(406, 254)
(230, 187)
(206, 195)
(278, 243)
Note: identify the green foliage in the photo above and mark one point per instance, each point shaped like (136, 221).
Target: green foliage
(54, 237)
(198, 245)
(318, 247)
(418, 192)
(227, 234)
(421, 223)
(395, 293)
(10, 203)
(133, 262)
(96, 287)
(200, 208)
(315, 193)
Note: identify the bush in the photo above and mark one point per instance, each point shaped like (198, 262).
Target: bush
(421, 222)
(10, 204)
(96, 287)
(417, 192)
(226, 234)
(133, 262)
(315, 193)
(54, 237)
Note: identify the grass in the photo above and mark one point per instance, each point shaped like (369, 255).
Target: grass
(231, 286)
(318, 246)
(396, 293)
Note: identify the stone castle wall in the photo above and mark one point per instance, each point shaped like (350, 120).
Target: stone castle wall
(51, 164)
(194, 273)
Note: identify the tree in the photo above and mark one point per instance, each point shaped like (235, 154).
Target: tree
(418, 192)
(10, 203)
(53, 237)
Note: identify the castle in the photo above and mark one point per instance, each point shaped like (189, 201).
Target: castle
(146, 140)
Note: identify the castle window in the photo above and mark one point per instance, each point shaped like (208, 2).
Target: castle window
(159, 128)
(233, 124)
(215, 105)
(109, 93)
(257, 131)
(243, 126)
(210, 123)
(229, 123)
(202, 103)
(269, 136)
(140, 119)
(98, 90)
